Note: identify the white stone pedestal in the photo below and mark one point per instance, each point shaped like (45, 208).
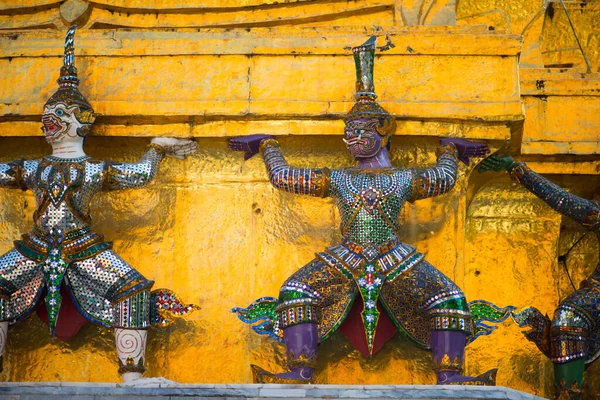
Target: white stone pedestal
(112, 391)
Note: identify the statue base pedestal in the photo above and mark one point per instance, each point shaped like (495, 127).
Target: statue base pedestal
(93, 391)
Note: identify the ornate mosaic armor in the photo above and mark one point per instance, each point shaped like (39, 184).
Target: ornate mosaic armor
(574, 331)
(371, 261)
(62, 247)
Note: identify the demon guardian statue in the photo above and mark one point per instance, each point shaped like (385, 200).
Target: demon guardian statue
(371, 266)
(62, 250)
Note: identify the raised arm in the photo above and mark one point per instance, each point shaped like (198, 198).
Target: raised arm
(441, 178)
(586, 212)
(583, 211)
(310, 181)
(119, 175)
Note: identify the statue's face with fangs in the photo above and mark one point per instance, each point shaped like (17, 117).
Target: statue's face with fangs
(62, 122)
(361, 137)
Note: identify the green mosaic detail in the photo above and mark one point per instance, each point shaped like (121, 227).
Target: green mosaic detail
(27, 252)
(402, 267)
(91, 251)
(478, 329)
(482, 311)
(54, 271)
(454, 304)
(263, 309)
(369, 285)
(292, 295)
(344, 271)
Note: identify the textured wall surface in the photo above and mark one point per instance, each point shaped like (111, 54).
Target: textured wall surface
(213, 230)
(547, 32)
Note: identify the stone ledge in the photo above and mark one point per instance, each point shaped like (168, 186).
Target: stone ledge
(445, 75)
(561, 108)
(92, 391)
(408, 41)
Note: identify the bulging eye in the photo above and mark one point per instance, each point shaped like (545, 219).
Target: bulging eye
(60, 112)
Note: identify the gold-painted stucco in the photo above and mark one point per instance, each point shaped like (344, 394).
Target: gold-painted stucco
(212, 229)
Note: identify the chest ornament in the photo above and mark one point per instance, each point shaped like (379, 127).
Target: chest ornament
(59, 182)
(371, 198)
(59, 179)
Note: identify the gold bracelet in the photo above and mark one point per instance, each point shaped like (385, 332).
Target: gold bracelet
(449, 148)
(325, 182)
(517, 171)
(264, 143)
(158, 148)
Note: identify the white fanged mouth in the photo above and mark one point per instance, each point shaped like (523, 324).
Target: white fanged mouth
(355, 140)
(52, 127)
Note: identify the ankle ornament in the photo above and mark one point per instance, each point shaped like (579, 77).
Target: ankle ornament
(131, 366)
(446, 364)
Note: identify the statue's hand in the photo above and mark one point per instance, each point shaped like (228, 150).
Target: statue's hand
(178, 148)
(467, 149)
(496, 163)
(248, 144)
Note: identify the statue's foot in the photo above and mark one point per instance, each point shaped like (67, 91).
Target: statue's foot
(485, 379)
(296, 376)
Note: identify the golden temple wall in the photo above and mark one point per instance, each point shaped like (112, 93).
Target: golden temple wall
(212, 229)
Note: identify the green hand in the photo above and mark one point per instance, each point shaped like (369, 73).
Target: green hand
(496, 163)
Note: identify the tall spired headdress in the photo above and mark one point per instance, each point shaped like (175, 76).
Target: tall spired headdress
(366, 106)
(68, 82)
